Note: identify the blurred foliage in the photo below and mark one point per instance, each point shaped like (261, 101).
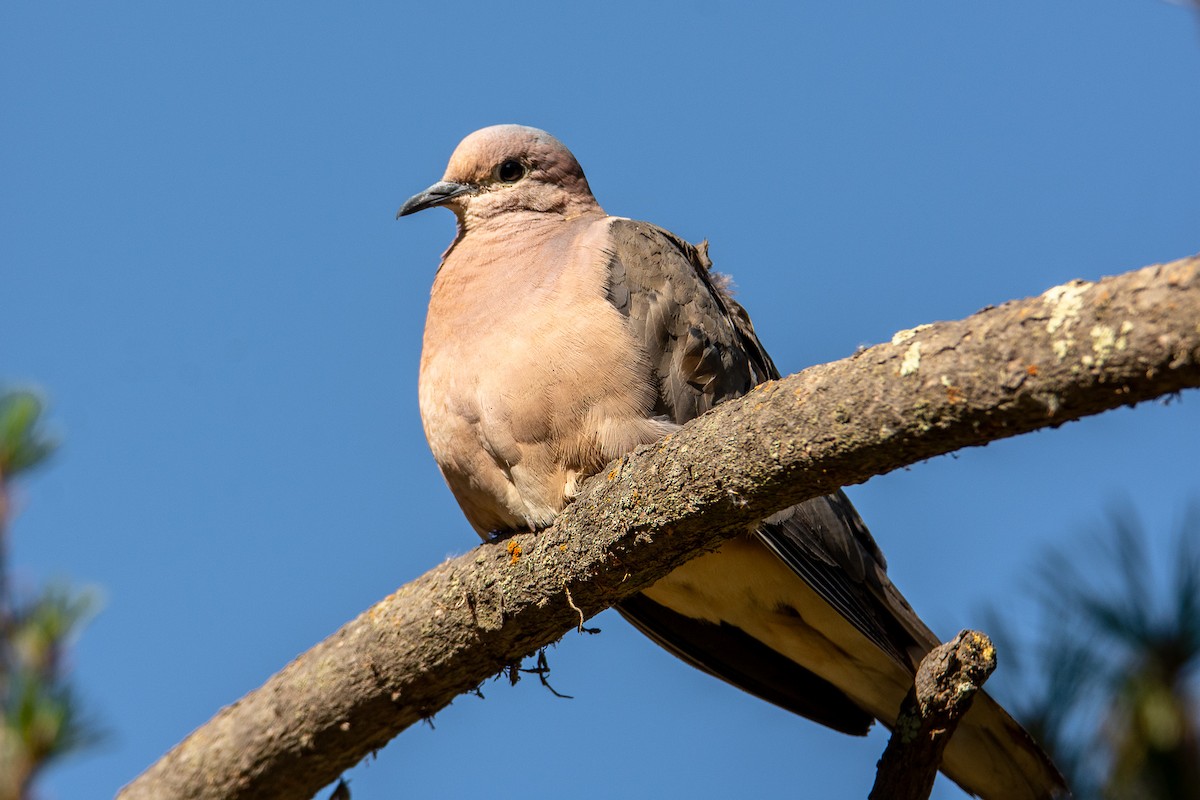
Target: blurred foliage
(41, 719)
(22, 443)
(1107, 681)
(39, 715)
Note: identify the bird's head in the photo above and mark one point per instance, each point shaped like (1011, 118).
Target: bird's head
(508, 168)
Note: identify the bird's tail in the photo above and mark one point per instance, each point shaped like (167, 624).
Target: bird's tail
(992, 757)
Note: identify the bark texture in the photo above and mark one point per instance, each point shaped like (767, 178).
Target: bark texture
(946, 683)
(1077, 349)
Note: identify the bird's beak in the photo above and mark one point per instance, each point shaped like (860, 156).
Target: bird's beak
(439, 194)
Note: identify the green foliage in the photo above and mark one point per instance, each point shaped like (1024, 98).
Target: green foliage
(22, 444)
(40, 720)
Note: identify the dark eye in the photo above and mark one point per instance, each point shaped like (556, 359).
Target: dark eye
(510, 171)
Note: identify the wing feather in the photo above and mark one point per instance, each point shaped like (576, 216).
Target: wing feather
(702, 345)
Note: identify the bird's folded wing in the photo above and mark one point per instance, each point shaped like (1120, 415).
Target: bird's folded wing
(826, 543)
(703, 348)
(699, 340)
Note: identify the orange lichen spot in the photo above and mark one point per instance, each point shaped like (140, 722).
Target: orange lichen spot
(562, 547)
(612, 474)
(954, 394)
(514, 550)
(1031, 370)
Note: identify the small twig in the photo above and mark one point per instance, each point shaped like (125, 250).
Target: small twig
(542, 670)
(512, 672)
(579, 611)
(946, 683)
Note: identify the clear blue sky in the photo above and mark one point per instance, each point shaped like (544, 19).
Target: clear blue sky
(199, 263)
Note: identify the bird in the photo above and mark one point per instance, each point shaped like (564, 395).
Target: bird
(559, 338)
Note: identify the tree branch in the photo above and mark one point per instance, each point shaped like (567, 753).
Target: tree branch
(947, 680)
(1076, 350)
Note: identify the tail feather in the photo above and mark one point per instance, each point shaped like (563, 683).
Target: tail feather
(992, 757)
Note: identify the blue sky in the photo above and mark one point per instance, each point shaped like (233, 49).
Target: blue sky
(200, 266)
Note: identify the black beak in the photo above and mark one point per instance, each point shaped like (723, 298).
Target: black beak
(439, 194)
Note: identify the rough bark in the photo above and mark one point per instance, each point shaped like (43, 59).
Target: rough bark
(1076, 350)
(946, 683)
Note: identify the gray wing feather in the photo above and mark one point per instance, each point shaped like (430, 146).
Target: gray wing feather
(699, 339)
(826, 543)
(702, 345)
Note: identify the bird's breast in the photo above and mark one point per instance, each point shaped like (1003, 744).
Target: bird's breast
(530, 378)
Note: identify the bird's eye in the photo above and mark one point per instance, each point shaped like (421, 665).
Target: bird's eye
(510, 171)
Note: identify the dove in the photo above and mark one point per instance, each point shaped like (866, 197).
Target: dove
(559, 338)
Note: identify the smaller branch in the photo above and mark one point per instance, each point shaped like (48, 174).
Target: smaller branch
(946, 683)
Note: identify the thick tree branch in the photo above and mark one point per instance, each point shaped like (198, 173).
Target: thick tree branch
(1076, 350)
(947, 680)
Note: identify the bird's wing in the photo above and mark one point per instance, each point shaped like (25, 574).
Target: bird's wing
(704, 351)
(700, 342)
(826, 543)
